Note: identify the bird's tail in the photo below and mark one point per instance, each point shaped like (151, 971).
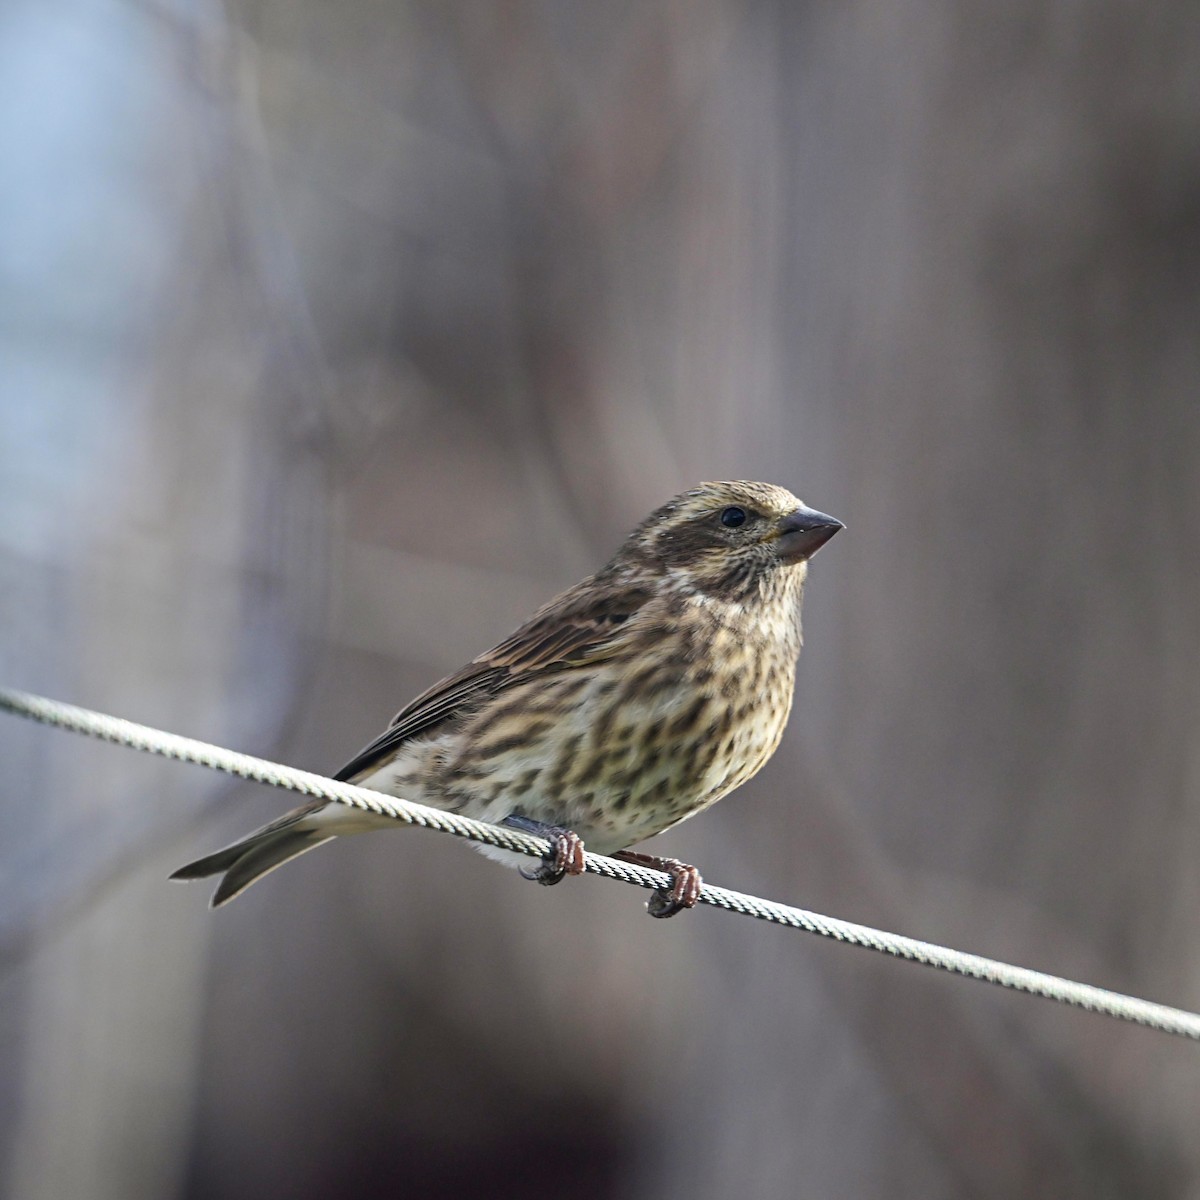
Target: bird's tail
(253, 857)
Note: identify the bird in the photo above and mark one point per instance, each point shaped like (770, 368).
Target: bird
(628, 703)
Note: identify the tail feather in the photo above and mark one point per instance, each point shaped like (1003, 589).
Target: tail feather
(259, 860)
(211, 864)
(253, 857)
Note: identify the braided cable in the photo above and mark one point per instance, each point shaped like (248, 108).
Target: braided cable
(973, 966)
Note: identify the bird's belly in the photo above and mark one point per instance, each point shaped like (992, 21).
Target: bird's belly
(620, 759)
(616, 755)
(696, 773)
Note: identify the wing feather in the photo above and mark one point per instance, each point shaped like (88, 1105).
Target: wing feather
(582, 626)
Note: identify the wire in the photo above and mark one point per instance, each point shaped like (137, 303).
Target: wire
(168, 745)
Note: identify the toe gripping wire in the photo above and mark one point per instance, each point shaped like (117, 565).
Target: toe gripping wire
(973, 966)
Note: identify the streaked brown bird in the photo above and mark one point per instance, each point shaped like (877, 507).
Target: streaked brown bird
(633, 700)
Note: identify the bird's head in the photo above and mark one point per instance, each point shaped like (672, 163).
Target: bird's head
(730, 536)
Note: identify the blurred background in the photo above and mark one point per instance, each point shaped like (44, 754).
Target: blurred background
(337, 337)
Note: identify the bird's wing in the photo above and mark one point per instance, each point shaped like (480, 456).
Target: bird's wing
(583, 626)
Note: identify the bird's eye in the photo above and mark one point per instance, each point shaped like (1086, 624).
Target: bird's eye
(733, 516)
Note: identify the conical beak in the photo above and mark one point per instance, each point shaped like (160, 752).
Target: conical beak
(803, 532)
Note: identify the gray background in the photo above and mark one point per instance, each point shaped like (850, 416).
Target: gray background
(336, 337)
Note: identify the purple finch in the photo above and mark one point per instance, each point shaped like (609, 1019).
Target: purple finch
(633, 700)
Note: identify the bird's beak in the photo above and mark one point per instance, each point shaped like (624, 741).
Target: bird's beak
(800, 534)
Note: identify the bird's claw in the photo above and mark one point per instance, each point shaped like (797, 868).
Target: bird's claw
(684, 891)
(565, 855)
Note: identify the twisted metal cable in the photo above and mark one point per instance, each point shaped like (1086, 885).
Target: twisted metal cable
(168, 745)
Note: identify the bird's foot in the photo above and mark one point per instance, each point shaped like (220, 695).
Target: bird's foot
(566, 850)
(685, 883)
